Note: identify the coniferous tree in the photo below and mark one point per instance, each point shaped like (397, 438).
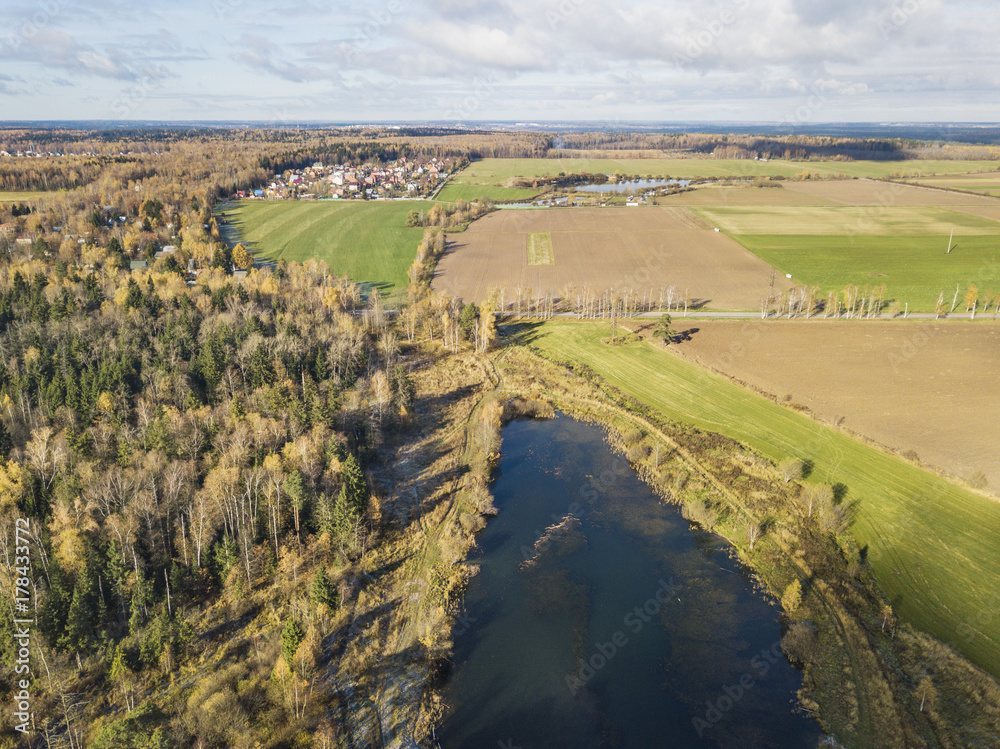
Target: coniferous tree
(322, 591)
(291, 637)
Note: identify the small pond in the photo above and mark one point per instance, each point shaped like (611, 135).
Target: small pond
(634, 186)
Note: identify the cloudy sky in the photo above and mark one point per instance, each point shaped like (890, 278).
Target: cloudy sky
(513, 60)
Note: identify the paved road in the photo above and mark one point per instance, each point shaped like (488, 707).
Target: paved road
(697, 314)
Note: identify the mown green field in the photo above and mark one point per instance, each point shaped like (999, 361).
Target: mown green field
(366, 241)
(452, 192)
(498, 171)
(915, 270)
(934, 546)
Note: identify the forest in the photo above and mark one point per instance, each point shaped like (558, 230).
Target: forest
(190, 450)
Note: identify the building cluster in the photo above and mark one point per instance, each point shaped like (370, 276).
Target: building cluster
(32, 153)
(403, 178)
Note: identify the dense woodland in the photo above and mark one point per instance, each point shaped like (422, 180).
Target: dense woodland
(173, 446)
(798, 147)
(188, 449)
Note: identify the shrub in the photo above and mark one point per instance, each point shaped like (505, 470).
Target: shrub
(792, 597)
(637, 453)
(632, 436)
(800, 644)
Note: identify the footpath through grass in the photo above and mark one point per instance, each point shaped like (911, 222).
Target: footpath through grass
(934, 546)
(367, 241)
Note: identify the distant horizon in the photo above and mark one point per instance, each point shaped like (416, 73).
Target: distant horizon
(471, 124)
(977, 133)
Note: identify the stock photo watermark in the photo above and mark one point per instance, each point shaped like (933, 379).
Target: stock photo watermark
(132, 97)
(900, 15)
(482, 92)
(28, 29)
(633, 623)
(22, 625)
(379, 19)
(717, 708)
(714, 30)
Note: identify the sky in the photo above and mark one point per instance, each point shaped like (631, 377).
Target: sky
(773, 61)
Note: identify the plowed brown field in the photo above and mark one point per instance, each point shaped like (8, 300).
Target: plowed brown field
(873, 192)
(638, 248)
(923, 386)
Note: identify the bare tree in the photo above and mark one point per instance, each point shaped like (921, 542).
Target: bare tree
(791, 469)
(815, 495)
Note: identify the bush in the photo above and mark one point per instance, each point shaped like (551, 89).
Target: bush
(800, 644)
(637, 453)
(702, 513)
(632, 436)
(792, 597)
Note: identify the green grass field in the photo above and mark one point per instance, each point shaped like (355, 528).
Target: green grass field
(915, 270)
(366, 241)
(908, 221)
(934, 546)
(17, 197)
(540, 249)
(498, 171)
(452, 192)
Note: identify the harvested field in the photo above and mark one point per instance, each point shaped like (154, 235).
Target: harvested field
(991, 212)
(922, 386)
(871, 192)
(712, 195)
(637, 248)
(987, 183)
(909, 221)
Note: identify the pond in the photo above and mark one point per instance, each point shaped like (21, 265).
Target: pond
(634, 186)
(601, 618)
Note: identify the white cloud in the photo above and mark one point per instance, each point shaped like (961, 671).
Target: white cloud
(585, 58)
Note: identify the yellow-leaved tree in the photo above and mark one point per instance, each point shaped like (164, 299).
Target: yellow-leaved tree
(11, 484)
(241, 257)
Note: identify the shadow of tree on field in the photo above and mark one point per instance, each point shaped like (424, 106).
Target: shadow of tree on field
(521, 333)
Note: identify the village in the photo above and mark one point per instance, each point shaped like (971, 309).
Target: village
(401, 179)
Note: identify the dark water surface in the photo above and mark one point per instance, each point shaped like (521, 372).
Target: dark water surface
(627, 629)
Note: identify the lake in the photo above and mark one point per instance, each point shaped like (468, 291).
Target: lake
(601, 618)
(636, 186)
